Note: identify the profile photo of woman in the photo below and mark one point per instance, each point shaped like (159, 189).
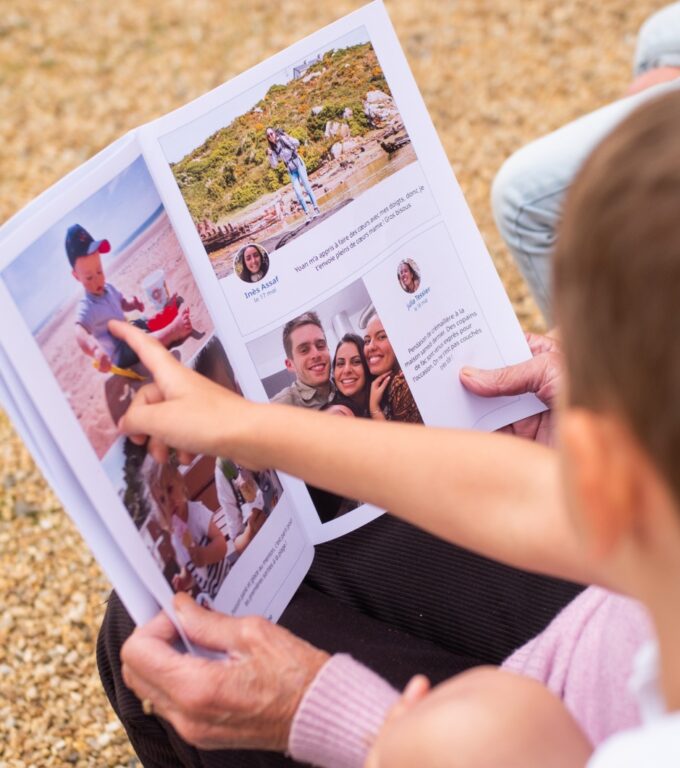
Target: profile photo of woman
(351, 376)
(390, 397)
(284, 148)
(252, 263)
(409, 277)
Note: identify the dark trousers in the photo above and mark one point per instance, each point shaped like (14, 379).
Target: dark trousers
(396, 598)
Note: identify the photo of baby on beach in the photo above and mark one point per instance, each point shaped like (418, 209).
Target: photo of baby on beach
(336, 358)
(114, 256)
(283, 156)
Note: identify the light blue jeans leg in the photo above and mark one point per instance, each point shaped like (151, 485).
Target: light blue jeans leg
(658, 43)
(302, 170)
(295, 181)
(529, 189)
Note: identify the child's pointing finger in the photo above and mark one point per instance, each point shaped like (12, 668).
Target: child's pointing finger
(149, 350)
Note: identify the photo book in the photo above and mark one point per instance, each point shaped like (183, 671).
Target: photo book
(296, 235)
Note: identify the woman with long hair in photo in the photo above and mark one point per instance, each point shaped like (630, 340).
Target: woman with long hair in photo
(351, 375)
(284, 148)
(409, 279)
(254, 263)
(390, 397)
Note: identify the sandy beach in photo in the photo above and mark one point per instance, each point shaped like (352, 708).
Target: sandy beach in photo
(156, 247)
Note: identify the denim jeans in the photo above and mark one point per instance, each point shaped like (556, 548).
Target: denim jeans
(529, 189)
(299, 179)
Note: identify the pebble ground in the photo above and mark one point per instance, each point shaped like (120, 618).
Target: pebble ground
(76, 75)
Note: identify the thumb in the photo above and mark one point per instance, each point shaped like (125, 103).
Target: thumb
(527, 376)
(215, 631)
(417, 687)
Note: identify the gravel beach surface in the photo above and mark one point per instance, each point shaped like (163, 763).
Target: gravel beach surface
(74, 76)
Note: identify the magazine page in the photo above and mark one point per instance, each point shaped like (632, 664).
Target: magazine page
(136, 597)
(314, 188)
(106, 249)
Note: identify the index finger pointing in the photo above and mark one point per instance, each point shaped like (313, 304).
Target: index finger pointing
(149, 350)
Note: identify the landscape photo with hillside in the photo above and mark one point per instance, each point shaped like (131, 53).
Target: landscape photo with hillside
(337, 106)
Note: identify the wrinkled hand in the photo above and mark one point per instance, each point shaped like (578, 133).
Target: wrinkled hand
(180, 409)
(541, 376)
(245, 701)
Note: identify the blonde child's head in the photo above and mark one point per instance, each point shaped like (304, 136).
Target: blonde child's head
(167, 488)
(247, 486)
(617, 281)
(617, 285)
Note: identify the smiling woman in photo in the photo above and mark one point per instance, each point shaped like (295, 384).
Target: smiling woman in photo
(409, 277)
(252, 263)
(390, 396)
(351, 374)
(282, 148)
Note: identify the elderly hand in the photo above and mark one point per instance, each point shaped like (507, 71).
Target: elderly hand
(245, 701)
(541, 375)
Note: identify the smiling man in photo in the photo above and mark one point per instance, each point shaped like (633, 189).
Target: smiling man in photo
(308, 357)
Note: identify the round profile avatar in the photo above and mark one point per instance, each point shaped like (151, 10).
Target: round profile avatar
(251, 263)
(408, 274)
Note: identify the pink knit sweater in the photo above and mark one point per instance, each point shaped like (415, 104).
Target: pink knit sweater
(584, 656)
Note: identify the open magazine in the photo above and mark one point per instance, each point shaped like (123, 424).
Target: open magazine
(298, 236)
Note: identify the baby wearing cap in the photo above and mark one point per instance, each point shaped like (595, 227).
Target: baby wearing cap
(103, 302)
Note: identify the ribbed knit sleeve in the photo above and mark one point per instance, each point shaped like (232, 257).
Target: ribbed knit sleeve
(340, 715)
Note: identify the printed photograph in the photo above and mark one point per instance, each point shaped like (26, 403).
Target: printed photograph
(197, 521)
(252, 263)
(115, 256)
(408, 274)
(284, 156)
(337, 358)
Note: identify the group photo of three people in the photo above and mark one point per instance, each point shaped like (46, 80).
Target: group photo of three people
(363, 377)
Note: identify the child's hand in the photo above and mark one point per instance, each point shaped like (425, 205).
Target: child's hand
(182, 581)
(180, 408)
(416, 689)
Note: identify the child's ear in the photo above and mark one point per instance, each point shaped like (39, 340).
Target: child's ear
(601, 475)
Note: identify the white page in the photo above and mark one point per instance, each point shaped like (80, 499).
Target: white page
(137, 599)
(407, 208)
(30, 307)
